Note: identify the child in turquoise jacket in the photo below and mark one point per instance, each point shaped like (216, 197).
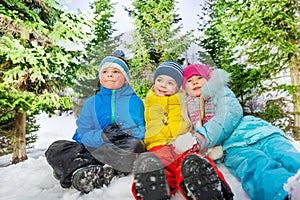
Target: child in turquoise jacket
(256, 152)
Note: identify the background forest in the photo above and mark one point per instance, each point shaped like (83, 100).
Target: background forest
(49, 57)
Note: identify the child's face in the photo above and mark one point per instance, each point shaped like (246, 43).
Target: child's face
(112, 78)
(165, 86)
(194, 84)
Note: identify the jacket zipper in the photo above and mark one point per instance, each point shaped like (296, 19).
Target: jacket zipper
(113, 97)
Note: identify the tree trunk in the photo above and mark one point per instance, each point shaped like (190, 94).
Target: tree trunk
(295, 80)
(19, 138)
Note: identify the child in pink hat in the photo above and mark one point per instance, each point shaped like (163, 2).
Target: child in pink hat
(255, 152)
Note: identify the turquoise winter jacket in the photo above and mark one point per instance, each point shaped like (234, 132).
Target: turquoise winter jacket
(255, 151)
(120, 106)
(228, 126)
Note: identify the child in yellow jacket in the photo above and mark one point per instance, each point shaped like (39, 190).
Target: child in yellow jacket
(163, 117)
(158, 173)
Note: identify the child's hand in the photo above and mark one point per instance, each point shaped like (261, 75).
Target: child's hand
(113, 133)
(184, 142)
(200, 140)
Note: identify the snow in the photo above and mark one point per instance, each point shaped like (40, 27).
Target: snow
(293, 185)
(33, 179)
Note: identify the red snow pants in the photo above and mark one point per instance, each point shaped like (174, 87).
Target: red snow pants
(172, 162)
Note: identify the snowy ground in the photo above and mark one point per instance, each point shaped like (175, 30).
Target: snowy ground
(33, 179)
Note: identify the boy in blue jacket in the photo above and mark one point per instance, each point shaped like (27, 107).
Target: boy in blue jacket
(109, 135)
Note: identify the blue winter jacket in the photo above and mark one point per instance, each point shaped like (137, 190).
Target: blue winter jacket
(228, 126)
(120, 106)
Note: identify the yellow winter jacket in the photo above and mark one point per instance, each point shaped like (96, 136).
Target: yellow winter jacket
(163, 118)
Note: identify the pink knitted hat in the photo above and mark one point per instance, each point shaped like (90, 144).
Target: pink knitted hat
(195, 69)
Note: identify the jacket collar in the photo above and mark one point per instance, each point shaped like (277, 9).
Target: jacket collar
(125, 90)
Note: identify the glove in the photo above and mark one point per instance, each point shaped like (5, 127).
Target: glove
(215, 152)
(188, 142)
(184, 142)
(114, 134)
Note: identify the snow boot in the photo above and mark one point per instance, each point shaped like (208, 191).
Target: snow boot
(149, 178)
(56, 176)
(87, 178)
(202, 181)
(108, 174)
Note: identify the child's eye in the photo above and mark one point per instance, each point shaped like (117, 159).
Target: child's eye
(116, 72)
(199, 77)
(171, 83)
(189, 80)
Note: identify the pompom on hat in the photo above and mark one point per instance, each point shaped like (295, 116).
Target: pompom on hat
(172, 69)
(116, 60)
(196, 70)
(119, 53)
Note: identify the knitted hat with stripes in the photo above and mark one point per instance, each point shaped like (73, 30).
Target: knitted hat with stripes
(172, 69)
(116, 60)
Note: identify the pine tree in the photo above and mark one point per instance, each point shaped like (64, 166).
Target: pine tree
(156, 37)
(263, 36)
(35, 63)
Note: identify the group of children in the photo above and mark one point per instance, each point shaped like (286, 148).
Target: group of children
(189, 119)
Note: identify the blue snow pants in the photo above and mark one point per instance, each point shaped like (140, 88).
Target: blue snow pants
(264, 167)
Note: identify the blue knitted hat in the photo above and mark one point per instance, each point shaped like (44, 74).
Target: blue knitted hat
(172, 69)
(116, 60)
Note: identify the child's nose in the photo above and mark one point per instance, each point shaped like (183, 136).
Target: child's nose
(109, 73)
(164, 84)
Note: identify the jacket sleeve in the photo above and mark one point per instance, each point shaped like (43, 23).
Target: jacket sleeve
(228, 113)
(137, 114)
(88, 130)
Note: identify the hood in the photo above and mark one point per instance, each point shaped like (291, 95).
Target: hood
(216, 84)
